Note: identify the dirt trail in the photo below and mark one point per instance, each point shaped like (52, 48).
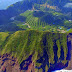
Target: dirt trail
(28, 25)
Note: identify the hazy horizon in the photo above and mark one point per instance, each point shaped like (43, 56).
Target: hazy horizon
(5, 3)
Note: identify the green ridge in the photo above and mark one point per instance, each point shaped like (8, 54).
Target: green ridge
(22, 44)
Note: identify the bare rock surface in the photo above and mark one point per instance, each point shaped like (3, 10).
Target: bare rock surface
(10, 64)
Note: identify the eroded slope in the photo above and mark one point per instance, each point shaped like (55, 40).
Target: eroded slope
(45, 48)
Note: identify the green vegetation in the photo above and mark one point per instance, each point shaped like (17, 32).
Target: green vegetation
(45, 31)
(42, 15)
(68, 23)
(70, 31)
(42, 21)
(22, 44)
(3, 37)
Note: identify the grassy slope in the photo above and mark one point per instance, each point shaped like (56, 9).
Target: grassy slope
(3, 37)
(42, 21)
(21, 44)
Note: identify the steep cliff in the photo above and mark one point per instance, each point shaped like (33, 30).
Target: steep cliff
(38, 49)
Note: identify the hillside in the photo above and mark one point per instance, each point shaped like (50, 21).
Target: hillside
(40, 15)
(49, 15)
(43, 21)
(3, 37)
(51, 46)
(35, 36)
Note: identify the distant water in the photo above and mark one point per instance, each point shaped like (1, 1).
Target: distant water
(63, 70)
(5, 3)
(68, 29)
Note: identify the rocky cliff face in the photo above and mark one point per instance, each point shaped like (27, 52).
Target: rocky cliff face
(33, 51)
(69, 52)
(10, 64)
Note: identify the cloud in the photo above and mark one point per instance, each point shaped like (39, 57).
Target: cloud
(68, 5)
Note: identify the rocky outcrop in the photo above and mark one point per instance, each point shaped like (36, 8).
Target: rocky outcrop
(10, 64)
(27, 65)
